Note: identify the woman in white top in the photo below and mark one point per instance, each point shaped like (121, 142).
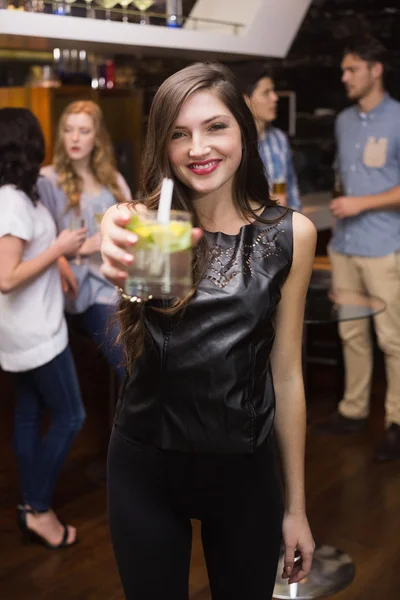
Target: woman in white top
(86, 183)
(33, 332)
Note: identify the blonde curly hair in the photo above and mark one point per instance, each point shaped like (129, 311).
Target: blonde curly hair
(102, 159)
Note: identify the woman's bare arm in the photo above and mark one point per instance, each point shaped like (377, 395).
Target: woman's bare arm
(290, 419)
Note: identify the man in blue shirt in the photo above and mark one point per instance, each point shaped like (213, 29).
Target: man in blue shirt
(365, 246)
(259, 92)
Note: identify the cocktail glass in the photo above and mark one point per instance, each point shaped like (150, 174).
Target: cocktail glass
(162, 265)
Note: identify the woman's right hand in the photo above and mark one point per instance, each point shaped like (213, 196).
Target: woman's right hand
(117, 240)
(69, 242)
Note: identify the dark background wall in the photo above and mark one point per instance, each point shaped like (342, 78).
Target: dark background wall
(314, 58)
(312, 70)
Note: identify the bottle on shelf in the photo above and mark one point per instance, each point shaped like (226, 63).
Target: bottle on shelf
(59, 7)
(72, 66)
(110, 74)
(93, 72)
(175, 13)
(101, 72)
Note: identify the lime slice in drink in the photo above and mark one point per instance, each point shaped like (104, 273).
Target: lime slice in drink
(171, 237)
(143, 230)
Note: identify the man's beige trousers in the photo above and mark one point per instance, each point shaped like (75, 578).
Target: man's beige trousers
(378, 277)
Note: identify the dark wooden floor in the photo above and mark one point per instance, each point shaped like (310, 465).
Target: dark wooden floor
(352, 503)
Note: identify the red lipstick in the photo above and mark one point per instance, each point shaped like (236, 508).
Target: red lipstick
(204, 167)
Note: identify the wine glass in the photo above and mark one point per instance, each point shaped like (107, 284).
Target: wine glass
(108, 5)
(125, 4)
(97, 218)
(29, 5)
(90, 10)
(76, 221)
(68, 6)
(142, 6)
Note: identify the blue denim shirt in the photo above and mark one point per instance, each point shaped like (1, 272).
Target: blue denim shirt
(369, 163)
(276, 155)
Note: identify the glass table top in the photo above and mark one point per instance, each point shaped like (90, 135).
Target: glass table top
(324, 305)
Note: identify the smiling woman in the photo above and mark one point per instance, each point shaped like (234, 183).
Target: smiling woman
(201, 145)
(210, 375)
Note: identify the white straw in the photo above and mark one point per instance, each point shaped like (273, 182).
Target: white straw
(164, 207)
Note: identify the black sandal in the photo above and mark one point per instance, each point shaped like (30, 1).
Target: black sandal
(30, 536)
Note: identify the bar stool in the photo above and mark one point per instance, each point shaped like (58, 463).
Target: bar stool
(326, 350)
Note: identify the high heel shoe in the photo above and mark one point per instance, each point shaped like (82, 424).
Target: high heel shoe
(30, 536)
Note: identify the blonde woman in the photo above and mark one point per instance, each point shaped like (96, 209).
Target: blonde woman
(85, 184)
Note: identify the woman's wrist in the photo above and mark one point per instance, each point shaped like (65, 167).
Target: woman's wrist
(81, 252)
(295, 511)
(295, 504)
(57, 250)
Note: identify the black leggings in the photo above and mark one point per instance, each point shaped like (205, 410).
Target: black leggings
(153, 494)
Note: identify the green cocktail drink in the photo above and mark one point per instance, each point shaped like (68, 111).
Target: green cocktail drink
(162, 265)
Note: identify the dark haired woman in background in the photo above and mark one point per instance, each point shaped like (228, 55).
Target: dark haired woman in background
(33, 332)
(195, 441)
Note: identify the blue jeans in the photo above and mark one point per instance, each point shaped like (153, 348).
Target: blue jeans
(96, 322)
(52, 387)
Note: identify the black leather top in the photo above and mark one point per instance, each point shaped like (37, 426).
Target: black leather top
(204, 382)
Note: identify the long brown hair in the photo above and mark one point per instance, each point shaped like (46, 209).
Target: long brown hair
(102, 159)
(250, 186)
